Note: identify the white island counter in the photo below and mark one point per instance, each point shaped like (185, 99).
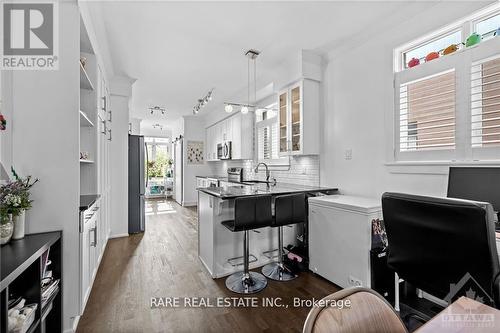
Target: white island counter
(217, 244)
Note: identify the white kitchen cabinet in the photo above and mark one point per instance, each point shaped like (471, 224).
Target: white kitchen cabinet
(299, 118)
(88, 248)
(340, 238)
(238, 129)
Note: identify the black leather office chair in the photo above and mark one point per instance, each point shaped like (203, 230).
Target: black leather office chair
(435, 242)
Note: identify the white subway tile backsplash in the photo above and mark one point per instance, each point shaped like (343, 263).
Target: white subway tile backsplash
(304, 170)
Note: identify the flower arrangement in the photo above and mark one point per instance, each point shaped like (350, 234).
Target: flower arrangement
(15, 196)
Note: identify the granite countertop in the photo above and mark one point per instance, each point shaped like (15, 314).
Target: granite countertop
(88, 200)
(213, 177)
(262, 189)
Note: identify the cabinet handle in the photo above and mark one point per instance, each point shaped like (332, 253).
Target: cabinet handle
(95, 236)
(104, 103)
(93, 243)
(110, 116)
(103, 126)
(110, 137)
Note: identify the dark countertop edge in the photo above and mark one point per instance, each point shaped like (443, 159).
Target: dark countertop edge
(225, 197)
(55, 236)
(88, 200)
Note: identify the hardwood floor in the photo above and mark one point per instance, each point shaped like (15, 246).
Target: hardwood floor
(163, 262)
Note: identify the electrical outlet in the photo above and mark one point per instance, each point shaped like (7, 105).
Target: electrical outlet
(355, 282)
(348, 154)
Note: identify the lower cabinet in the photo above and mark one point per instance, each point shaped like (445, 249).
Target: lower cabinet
(93, 238)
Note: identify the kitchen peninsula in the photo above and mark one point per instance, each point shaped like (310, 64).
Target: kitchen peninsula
(217, 245)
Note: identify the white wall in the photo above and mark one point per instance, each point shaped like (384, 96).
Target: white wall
(45, 141)
(358, 93)
(148, 130)
(194, 130)
(121, 89)
(135, 126)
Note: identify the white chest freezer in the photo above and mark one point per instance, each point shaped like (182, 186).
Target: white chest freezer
(340, 238)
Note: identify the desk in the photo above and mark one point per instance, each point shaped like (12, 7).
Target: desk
(464, 315)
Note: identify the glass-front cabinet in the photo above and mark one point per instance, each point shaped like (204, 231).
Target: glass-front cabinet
(291, 120)
(283, 114)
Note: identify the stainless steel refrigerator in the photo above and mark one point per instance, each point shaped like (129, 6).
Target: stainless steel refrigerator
(136, 183)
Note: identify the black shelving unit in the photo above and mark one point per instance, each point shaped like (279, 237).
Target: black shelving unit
(21, 274)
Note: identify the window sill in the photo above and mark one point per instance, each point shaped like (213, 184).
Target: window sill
(433, 167)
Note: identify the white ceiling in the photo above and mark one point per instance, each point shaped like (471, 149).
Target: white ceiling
(177, 51)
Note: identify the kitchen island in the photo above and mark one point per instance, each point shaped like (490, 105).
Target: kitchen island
(217, 245)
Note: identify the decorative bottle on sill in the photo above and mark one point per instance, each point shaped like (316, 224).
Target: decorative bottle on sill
(19, 222)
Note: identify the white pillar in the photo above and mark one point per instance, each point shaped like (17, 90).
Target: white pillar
(121, 91)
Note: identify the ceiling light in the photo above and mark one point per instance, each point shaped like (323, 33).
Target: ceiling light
(158, 109)
(203, 101)
(251, 100)
(160, 127)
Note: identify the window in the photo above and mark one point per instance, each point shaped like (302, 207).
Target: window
(267, 129)
(449, 110)
(438, 44)
(484, 22)
(485, 103)
(487, 26)
(427, 113)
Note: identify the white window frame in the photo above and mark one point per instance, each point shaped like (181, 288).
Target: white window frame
(466, 25)
(461, 62)
(264, 123)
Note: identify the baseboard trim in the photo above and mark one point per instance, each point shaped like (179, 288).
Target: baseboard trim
(190, 204)
(118, 235)
(75, 325)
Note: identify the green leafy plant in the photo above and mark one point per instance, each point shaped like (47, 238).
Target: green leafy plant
(157, 168)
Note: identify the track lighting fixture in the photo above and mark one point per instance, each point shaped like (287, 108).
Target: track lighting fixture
(158, 109)
(203, 101)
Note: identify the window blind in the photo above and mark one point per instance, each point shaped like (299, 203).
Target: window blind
(267, 140)
(485, 103)
(427, 113)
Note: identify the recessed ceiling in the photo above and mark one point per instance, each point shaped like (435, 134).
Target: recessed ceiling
(178, 51)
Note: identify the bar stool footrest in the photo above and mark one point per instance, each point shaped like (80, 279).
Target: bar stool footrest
(271, 254)
(239, 261)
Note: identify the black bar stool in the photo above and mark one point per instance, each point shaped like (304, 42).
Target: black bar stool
(289, 209)
(249, 213)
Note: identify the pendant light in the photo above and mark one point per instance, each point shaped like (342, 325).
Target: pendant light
(245, 108)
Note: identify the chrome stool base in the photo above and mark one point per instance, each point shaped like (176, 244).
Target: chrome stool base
(253, 283)
(276, 272)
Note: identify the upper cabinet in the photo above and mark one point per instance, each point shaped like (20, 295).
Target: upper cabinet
(238, 129)
(299, 118)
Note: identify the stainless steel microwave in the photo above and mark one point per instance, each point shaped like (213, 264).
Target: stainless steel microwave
(224, 150)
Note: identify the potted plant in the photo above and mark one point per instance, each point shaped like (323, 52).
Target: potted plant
(6, 225)
(15, 199)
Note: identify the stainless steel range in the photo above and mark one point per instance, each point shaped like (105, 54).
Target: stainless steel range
(235, 174)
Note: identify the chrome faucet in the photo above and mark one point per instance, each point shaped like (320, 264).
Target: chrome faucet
(267, 170)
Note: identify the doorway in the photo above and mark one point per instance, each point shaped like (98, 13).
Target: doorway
(159, 168)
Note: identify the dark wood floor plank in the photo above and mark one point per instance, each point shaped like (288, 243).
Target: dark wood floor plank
(163, 262)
